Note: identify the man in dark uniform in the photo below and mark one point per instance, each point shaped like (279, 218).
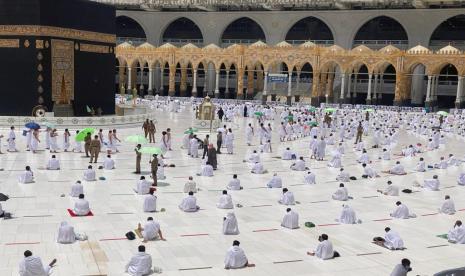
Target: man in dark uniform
(145, 126)
(358, 139)
(154, 169)
(138, 158)
(94, 149)
(87, 140)
(220, 114)
(219, 142)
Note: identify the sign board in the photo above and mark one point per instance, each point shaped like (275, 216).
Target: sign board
(278, 78)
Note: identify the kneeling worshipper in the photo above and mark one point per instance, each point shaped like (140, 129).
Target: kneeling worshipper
(299, 165)
(421, 165)
(431, 184)
(235, 257)
(341, 194)
(348, 215)
(448, 206)
(335, 162)
(369, 172)
(324, 250)
(441, 165)
(150, 202)
(257, 168)
(143, 186)
(66, 234)
(190, 185)
(76, 189)
(391, 190)
(108, 163)
(27, 176)
(53, 163)
(140, 263)
(230, 226)
(310, 178)
(254, 157)
(151, 230)
(275, 182)
(81, 206)
(288, 154)
(402, 269)
(207, 170)
(225, 201)
(392, 240)
(385, 155)
(402, 212)
(32, 265)
(461, 179)
(364, 158)
(189, 203)
(234, 184)
(343, 176)
(457, 233)
(398, 169)
(453, 161)
(290, 219)
(89, 174)
(287, 198)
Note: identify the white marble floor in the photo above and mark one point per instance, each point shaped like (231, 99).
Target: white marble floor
(38, 210)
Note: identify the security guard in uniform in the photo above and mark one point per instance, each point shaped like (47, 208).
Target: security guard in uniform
(94, 147)
(138, 158)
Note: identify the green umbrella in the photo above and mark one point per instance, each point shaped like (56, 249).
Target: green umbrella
(82, 134)
(290, 117)
(311, 109)
(137, 139)
(49, 125)
(368, 110)
(312, 123)
(330, 109)
(190, 130)
(258, 113)
(150, 150)
(443, 113)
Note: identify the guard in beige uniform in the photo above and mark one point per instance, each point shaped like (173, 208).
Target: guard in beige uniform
(138, 158)
(94, 149)
(154, 169)
(87, 140)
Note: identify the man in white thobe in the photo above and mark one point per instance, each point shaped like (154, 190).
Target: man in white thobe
(348, 215)
(299, 165)
(401, 211)
(235, 257)
(81, 206)
(194, 147)
(321, 149)
(369, 172)
(32, 265)
(398, 169)
(76, 189)
(143, 186)
(189, 203)
(234, 184)
(448, 206)
(230, 226)
(421, 165)
(150, 202)
(287, 198)
(401, 269)
(207, 170)
(457, 233)
(441, 165)
(392, 239)
(364, 158)
(27, 176)
(310, 178)
(391, 190)
(275, 182)
(254, 157)
(66, 233)
(53, 163)
(287, 154)
(431, 184)
(461, 179)
(324, 250)
(190, 186)
(453, 161)
(249, 133)
(290, 219)
(12, 140)
(140, 264)
(108, 163)
(335, 161)
(151, 230)
(343, 176)
(257, 168)
(225, 201)
(89, 174)
(341, 194)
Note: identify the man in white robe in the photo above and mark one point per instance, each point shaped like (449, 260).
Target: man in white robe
(391, 190)
(287, 154)
(189, 203)
(190, 186)
(431, 184)
(321, 149)
(448, 206)
(150, 202)
(151, 230)
(89, 174)
(287, 198)
(364, 158)
(421, 165)
(234, 184)
(348, 215)
(27, 176)
(12, 140)
(143, 186)
(385, 155)
(369, 172)
(207, 170)
(66, 233)
(461, 179)
(343, 176)
(335, 161)
(398, 169)
(76, 189)
(32, 265)
(257, 168)
(275, 182)
(254, 157)
(457, 233)
(108, 163)
(140, 264)
(310, 178)
(324, 250)
(194, 147)
(249, 133)
(401, 269)
(236, 258)
(230, 226)
(441, 165)
(341, 194)
(53, 163)
(225, 201)
(81, 206)
(290, 219)
(392, 240)
(299, 165)
(401, 212)
(453, 161)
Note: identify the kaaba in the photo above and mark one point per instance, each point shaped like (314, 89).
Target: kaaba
(56, 56)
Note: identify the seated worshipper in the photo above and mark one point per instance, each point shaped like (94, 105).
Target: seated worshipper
(254, 157)
(235, 257)
(310, 178)
(335, 161)
(234, 184)
(457, 233)
(391, 190)
(448, 206)
(230, 226)
(288, 154)
(441, 165)
(76, 189)
(398, 169)
(275, 182)
(32, 265)
(257, 168)
(364, 158)
(409, 151)
(299, 165)
(421, 165)
(66, 233)
(461, 179)
(369, 172)
(151, 230)
(402, 269)
(385, 155)
(266, 147)
(140, 263)
(453, 161)
(207, 170)
(431, 184)
(108, 163)
(190, 186)
(53, 163)
(81, 206)
(348, 215)
(402, 212)
(287, 198)
(143, 186)
(324, 250)
(290, 219)
(150, 202)
(225, 201)
(89, 174)
(161, 172)
(341, 194)
(27, 176)
(343, 176)
(392, 240)
(189, 203)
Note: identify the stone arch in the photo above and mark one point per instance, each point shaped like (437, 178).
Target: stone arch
(450, 31)
(182, 28)
(246, 27)
(316, 28)
(130, 29)
(376, 29)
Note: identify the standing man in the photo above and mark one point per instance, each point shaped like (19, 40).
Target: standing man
(145, 127)
(87, 140)
(154, 169)
(220, 113)
(138, 158)
(219, 141)
(94, 149)
(358, 139)
(206, 142)
(152, 131)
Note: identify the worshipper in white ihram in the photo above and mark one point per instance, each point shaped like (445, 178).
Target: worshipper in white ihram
(53, 163)
(257, 168)
(249, 133)
(151, 230)
(190, 186)
(290, 219)
(235, 257)
(369, 172)
(254, 157)
(431, 184)
(66, 233)
(457, 233)
(89, 174)
(398, 169)
(343, 176)
(142, 186)
(189, 203)
(140, 264)
(391, 240)
(310, 178)
(230, 226)
(401, 269)
(391, 190)
(206, 170)
(299, 165)
(150, 202)
(27, 176)
(81, 206)
(32, 265)
(287, 154)
(335, 161)
(76, 189)
(421, 165)
(461, 179)
(287, 198)
(234, 184)
(341, 194)
(324, 250)
(225, 201)
(448, 206)
(402, 212)
(348, 215)
(108, 163)
(12, 140)
(275, 182)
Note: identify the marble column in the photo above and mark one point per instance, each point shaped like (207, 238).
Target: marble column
(459, 97)
(265, 87)
(129, 80)
(194, 85)
(289, 88)
(217, 84)
(150, 89)
(343, 87)
(368, 100)
(226, 88)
